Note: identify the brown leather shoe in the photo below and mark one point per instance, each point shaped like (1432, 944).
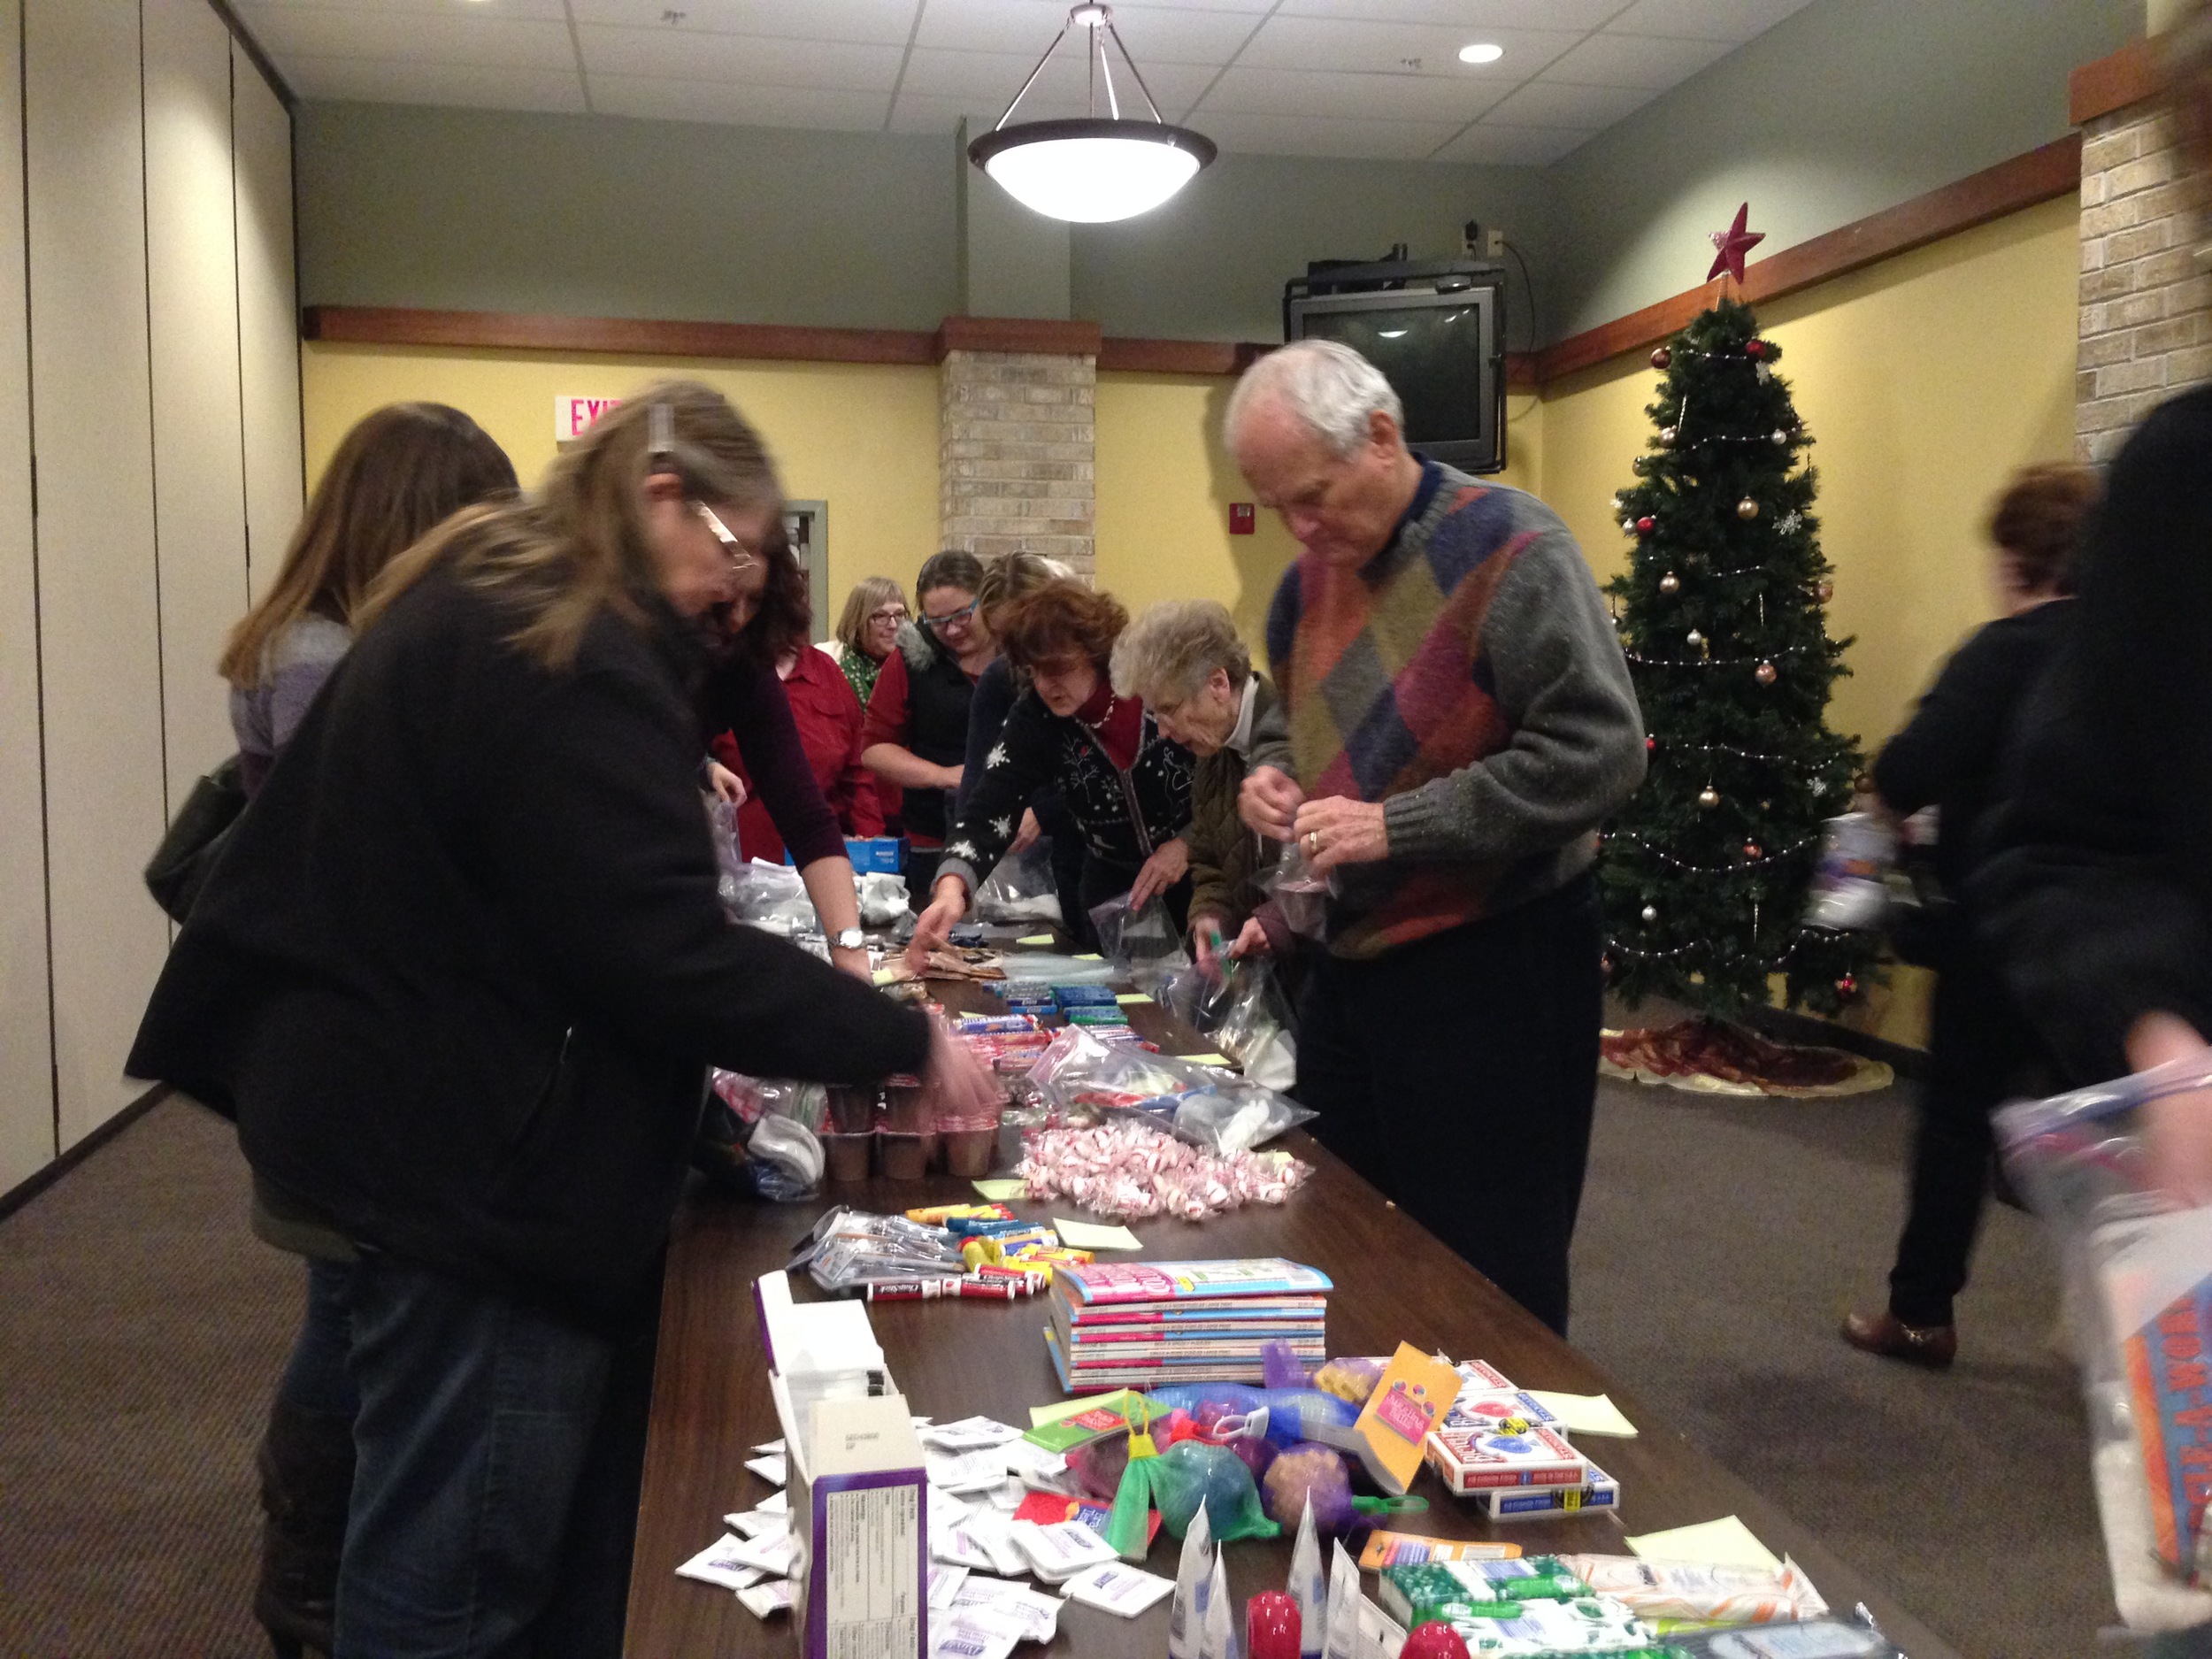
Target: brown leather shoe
(1933, 1346)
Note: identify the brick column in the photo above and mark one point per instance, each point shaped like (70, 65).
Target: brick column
(2145, 297)
(1017, 440)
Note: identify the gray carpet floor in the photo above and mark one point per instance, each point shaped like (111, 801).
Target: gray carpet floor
(1720, 1245)
(141, 1327)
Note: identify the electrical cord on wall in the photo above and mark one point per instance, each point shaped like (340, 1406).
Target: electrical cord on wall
(1534, 334)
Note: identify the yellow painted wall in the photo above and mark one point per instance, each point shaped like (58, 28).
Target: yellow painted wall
(1165, 481)
(861, 437)
(1925, 381)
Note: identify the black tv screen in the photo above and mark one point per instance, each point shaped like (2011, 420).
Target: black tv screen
(1439, 352)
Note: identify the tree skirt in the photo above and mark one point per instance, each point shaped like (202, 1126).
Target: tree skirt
(1713, 1056)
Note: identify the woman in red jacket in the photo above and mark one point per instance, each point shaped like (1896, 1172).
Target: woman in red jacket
(824, 708)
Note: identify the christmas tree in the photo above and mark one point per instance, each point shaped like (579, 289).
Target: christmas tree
(1704, 872)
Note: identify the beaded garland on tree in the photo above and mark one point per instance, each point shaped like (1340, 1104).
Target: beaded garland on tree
(1704, 872)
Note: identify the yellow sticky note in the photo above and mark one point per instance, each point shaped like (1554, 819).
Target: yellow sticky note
(1088, 955)
(1130, 998)
(1084, 1235)
(1209, 1059)
(1726, 1542)
(1586, 1414)
(1035, 939)
(1003, 1191)
(885, 975)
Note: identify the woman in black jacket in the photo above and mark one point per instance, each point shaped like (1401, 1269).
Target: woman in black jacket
(1980, 1050)
(1128, 788)
(458, 978)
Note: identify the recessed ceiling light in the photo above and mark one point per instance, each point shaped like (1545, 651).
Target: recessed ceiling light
(1481, 52)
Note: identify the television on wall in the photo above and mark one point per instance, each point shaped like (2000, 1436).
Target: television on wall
(1435, 328)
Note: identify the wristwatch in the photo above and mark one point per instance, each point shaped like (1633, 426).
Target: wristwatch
(849, 939)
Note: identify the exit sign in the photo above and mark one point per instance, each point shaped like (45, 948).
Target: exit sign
(572, 416)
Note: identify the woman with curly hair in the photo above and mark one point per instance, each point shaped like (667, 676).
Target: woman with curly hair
(1126, 786)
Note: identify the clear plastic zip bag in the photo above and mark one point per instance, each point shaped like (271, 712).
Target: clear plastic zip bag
(2137, 1266)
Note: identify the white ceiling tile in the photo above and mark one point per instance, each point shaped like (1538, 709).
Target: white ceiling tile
(1483, 143)
(1284, 43)
(1737, 20)
(1315, 136)
(248, 10)
(1552, 15)
(991, 78)
(1152, 33)
(660, 99)
(685, 54)
(1635, 60)
(1549, 103)
(367, 80)
(400, 35)
(1347, 96)
(872, 22)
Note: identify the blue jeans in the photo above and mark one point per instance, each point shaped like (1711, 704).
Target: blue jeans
(499, 1451)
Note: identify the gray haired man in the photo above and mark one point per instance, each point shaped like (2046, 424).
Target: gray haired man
(1461, 720)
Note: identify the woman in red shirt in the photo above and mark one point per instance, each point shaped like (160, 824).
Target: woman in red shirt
(823, 707)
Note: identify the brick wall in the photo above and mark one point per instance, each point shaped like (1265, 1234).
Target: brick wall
(2145, 297)
(1017, 454)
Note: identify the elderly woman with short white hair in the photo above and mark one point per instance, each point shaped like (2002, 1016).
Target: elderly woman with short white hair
(1183, 658)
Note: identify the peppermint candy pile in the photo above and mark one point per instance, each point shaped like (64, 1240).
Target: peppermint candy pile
(1131, 1168)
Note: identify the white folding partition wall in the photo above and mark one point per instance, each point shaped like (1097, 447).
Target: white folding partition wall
(148, 341)
(27, 1084)
(268, 317)
(192, 310)
(99, 600)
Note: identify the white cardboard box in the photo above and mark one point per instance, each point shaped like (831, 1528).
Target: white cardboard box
(859, 1491)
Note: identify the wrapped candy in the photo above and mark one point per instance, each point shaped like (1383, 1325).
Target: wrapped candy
(1129, 1169)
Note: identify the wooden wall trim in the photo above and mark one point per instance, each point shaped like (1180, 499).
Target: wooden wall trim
(1016, 333)
(2026, 181)
(2131, 76)
(615, 336)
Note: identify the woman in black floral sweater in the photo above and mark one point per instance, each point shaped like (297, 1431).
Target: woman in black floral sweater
(1127, 788)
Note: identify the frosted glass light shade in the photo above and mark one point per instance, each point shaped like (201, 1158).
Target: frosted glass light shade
(1091, 171)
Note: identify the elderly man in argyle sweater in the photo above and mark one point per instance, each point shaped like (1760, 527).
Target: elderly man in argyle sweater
(1461, 720)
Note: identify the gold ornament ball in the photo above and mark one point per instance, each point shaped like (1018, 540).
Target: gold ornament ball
(1766, 674)
(1708, 796)
(1747, 508)
(1670, 584)
(1651, 914)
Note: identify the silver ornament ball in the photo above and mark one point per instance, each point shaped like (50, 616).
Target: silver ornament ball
(1780, 437)
(1667, 436)
(1651, 914)
(1670, 583)
(1694, 637)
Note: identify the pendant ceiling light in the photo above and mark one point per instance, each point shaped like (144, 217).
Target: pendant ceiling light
(1091, 169)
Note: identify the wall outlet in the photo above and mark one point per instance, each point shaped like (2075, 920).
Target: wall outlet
(1493, 242)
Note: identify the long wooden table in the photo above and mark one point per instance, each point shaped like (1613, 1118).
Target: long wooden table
(1394, 1282)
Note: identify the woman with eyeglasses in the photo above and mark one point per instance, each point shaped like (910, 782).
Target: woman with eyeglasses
(917, 734)
(1126, 786)
(868, 632)
(458, 978)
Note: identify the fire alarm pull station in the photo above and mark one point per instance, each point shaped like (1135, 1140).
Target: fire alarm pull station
(1241, 518)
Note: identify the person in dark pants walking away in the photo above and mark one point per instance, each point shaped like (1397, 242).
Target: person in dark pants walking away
(1980, 1050)
(1461, 720)
(458, 978)
(393, 477)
